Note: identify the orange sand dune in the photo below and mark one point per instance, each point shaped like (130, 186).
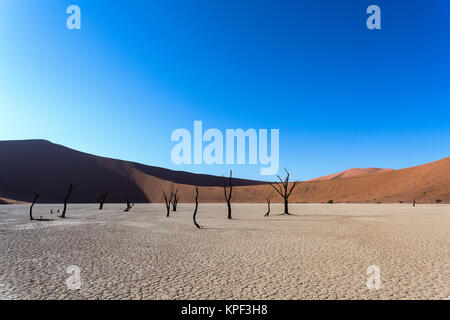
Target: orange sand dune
(426, 183)
(40, 166)
(353, 172)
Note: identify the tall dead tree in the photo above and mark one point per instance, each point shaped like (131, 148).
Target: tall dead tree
(175, 200)
(101, 200)
(282, 188)
(196, 207)
(129, 205)
(168, 201)
(66, 198)
(228, 194)
(36, 196)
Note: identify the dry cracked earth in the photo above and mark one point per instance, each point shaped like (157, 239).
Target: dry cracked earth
(321, 252)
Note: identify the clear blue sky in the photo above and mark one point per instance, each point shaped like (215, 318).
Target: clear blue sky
(342, 95)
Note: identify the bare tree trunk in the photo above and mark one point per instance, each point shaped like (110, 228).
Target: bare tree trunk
(175, 200)
(286, 204)
(63, 214)
(102, 199)
(196, 207)
(168, 201)
(228, 195)
(36, 196)
(268, 208)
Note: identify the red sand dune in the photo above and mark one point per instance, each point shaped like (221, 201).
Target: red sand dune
(353, 172)
(40, 166)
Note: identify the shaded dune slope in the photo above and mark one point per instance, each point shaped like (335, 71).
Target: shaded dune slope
(40, 166)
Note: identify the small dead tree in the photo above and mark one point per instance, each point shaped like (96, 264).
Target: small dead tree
(175, 200)
(269, 195)
(196, 207)
(268, 207)
(282, 188)
(168, 201)
(129, 205)
(101, 200)
(228, 194)
(36, 196)
(66, 198)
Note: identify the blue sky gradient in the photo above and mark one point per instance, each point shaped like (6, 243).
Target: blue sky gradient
(342, 95)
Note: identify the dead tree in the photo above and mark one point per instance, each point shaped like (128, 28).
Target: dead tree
(101, 200)
(129, 205)
(196, 207)
(168, 201)
(269, 195)
(175, 200)
(63, 214)
(268, 207)
(282, 188)
(228, 194)
(36, 196)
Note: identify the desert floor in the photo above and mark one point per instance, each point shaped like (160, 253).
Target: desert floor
(322, 252)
